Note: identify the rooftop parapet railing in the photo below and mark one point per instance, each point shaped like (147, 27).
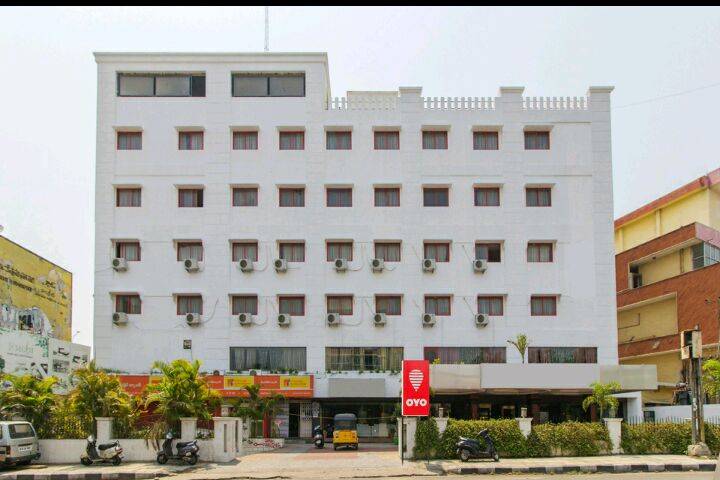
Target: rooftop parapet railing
(459, 103)
(364, 103)
(555, 103)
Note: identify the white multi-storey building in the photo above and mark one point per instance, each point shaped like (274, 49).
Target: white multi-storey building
(205, 160)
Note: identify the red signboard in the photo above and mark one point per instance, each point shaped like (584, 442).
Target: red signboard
(415, 388)
(290, 386)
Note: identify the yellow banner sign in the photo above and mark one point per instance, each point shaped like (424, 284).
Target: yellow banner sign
(238, 382)
(295, 382)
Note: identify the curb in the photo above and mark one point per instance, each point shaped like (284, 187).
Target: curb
(83, 476)
(708, 466)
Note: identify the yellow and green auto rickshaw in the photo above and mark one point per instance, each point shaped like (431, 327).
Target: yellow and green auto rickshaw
(345, 431)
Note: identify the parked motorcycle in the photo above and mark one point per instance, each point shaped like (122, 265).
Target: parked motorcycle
(185, 451)
(103, 453)
(318, 438)
(468, 448)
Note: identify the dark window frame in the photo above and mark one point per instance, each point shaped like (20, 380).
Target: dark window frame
(268, 76)
(123, 300)
(194, 82)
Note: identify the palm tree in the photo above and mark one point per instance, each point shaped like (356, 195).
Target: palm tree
(28, 397)
(256, 408)
(602, 397)
(521, 343)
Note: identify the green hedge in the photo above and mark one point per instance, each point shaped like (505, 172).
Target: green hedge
(569, 439)
(665, 438)
(427, 439)
(506, 434)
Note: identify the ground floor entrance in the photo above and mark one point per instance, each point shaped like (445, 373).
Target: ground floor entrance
(376, 418)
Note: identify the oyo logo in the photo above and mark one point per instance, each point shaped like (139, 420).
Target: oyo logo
(416, 402)
(416, 378)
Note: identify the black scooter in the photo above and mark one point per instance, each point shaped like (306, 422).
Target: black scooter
(186, 451)
(318, 438)
(468, 448)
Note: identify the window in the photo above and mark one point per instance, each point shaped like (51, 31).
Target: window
(278, 359)
(21, 430)
(434, 140)
(129, 304)
(268, 85)
(543, 305)
(160, 85)
(244, 250)
(490, 305)
(438, 251)
(388, 251)
(387, 140)
(488, 251)
(485, 141)
(436, 196)
(704, 254)
(339, 197)
(292, 251)
(245, 140)
(190, 140)
(129, 140)
(292, 305)
(537, 140)
(189, 251)
(244, 304)
(388, 304)
(538, 197)
(340, 304)
(292, 140)
(190, 197)
(387, 197)
(438, 304)
(338, 140)
(465, 355)
(189, 304)
(487, 197)
(127, 197)
(540, 252)
(371, 359)
(245, 197)
(130, 251)
(292, 197)
(337, 250)
(562, 354)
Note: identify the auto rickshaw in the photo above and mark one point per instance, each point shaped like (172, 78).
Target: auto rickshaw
(345, 431)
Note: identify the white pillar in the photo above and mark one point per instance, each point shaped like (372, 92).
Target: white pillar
(441, 423)
(614, 426)
(104, 429)
(409, 428)
(188, 428)
(225, 445)
(525, 425)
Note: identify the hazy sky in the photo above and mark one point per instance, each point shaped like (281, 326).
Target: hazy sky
(47, 88)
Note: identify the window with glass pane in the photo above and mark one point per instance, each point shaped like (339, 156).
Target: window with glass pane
(189, 251)
(387, 140)
(439, 305)
(338, 140)
(129, 140)
(189, 304)
(436, 197)
(292, 305)
(292, 197)
(127, 197)
(540, 252)
(172, 86)
(488, 251)
(130, 251)
(363, 358)
(190, 140)
(287, 85)
(388, 304)
(292, 251)
(485, 141)
(465, 355)
(282, 359)
(245, 140)
(244, 304)
(190, 197)
(543, 306)
(129, 304)
(340, 304)
(339, 197)
(490, 305)
(438, 251)
(387, 197)
(161, 85)
(537, 140)
(562, 354)
(337, 250)
(292, 140)
(388, 251)
(704, 255)
(245, 250)
(538, 197)
(434, 140)
(136, 86)
(487, 197)
(245, 197)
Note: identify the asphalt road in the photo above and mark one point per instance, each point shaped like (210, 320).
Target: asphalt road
(594, 476)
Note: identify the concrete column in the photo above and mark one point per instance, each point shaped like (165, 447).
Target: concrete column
(441, 423)
(409, 429)
(226, 442)
(525, 425)
(104, 429)
(411, 99)
(188, 428)
(614, 426)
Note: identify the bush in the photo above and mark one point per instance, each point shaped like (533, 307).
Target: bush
(427, 439)
(570, 439)
(644, 438)
(506, 434)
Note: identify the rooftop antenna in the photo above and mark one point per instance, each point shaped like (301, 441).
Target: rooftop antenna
(267, 29)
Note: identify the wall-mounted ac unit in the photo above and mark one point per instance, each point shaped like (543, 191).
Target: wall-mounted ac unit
(191, 265)
(192, 318)
(482, 319)
(245, 318)
(119, 264)
(480, 265)
(428, 319)
(428, 265)
(280, 265)
(340, 264)
(333, 319)
(119, 318)
(245, 265)
(379, 319)
(377, 264)
(283, 320)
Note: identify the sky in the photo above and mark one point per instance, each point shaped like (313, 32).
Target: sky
(663, 63)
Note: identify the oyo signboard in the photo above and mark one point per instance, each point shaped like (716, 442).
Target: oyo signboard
(415, 388)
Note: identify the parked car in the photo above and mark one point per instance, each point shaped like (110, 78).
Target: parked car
(18, 443)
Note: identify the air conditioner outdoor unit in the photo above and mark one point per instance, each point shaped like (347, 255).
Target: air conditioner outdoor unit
(191, 265)
(333, 319)
(245, 265)
(428, 319)
(245, 318)
(482, 319)
(377, 264)
(480, 265)
(341, 265)
(119, 264)
(119, 318)
(283, 320)
(379, 319)
(192, 318)
(428, 265)
(280, 265)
